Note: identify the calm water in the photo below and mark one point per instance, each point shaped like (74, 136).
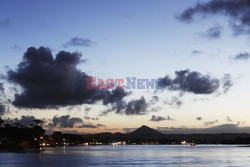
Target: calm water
(145, 155)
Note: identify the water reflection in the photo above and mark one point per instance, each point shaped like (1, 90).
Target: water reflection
(154, 155)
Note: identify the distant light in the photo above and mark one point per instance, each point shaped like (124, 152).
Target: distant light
(184, 142)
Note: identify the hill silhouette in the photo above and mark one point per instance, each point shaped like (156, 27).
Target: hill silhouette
(146, 132)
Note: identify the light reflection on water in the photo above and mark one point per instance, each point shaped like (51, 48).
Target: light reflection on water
(139, 155)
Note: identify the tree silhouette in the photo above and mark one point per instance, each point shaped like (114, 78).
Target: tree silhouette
(1, 121)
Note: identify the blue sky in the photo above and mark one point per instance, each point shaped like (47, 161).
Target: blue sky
(139, 38)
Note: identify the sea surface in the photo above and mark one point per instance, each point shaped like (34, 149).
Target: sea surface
(129, 155)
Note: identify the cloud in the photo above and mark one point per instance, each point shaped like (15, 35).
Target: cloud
(241, 56)
(111, 129)
(227, 83)
(91, 118)
(1, 88)
(160, 118)
(136, 107)
(2, 109)
(210, 123)
(199, 118)
(174, 101)
(87, 109)
(116, 100)
(90, 125)
(236, 10)
(229, 119)
(196, 53)
(4, 23)
(16, 47)
(240, 123)
(78, 41)
(154, 99)
(155, 109)
(25, 120)
(213, 32)
(3, 99)
(132, 107)
(190, 82)
(49, 82)
(100, 125)
(66, 121)
(223, 128)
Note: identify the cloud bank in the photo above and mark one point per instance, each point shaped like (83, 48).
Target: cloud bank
(187, 81)
(237, 12)
(53, 82)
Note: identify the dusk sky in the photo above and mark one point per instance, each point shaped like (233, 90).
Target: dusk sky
(198, 53)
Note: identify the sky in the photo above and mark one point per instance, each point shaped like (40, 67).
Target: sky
(196, 50)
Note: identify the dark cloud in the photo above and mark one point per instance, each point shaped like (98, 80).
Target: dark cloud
(78, 41)
(174, 101)
(91, 118)
(199, 118)
(238, 12)
(229, 119)
(210, 123)
(190, 81)
(3, 99)
(24, 120)
(136, 107)
(132, 107)
(224, 128)
(106, 112)
(1, 88)
(116, 100)
(241, 57)
(4, 23)
(213, 32)
(2, 109)
(100, 125)
(49, 82)
(154, 99)
(226, 83)
(160, 118)
(111, 129)
(196, 53)
(155, 109)
(87, 109)
(66, 121)
(90, 125)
